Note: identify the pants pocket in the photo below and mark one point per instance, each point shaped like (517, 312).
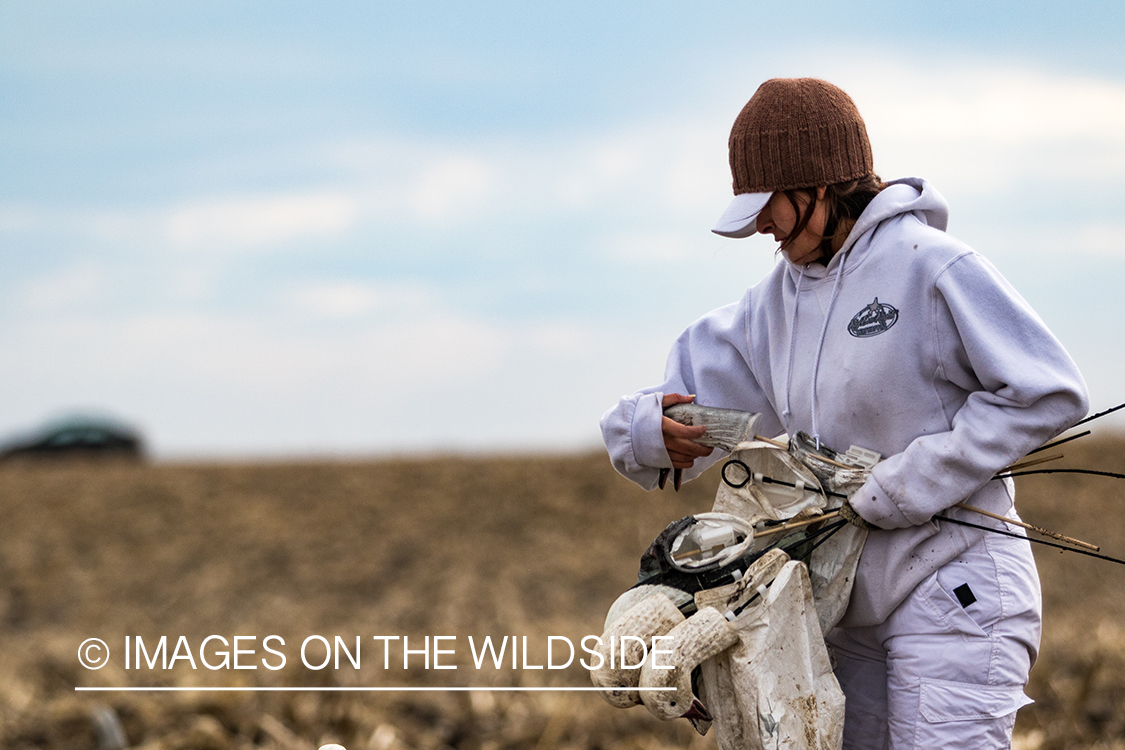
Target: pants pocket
(946, 612)
(967, 715)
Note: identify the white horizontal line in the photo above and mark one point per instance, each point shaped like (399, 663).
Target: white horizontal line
(350, 689)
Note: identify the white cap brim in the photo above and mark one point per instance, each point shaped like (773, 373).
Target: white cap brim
(741, 217)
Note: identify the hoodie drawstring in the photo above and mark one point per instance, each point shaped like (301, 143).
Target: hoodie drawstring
(792, 345)
(819, 346)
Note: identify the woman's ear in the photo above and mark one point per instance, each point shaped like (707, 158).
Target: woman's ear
(820, 191)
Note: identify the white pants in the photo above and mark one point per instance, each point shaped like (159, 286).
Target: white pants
(948, 667)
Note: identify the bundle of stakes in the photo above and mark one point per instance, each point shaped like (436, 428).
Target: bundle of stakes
(1020, 469)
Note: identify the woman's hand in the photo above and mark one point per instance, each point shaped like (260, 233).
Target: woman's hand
(678, 438)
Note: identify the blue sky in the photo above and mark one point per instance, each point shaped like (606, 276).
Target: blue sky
(273, 229)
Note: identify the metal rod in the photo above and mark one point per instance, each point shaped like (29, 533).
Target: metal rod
(810, 488)
(1021, 536)
(1098, 415)
(831, 530)
(1045, 532)
(1061, 471)
(1059, 442)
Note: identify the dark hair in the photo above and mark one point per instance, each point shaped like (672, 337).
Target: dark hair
(844, 201)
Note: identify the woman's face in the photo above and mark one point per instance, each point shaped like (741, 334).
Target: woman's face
(778, 219)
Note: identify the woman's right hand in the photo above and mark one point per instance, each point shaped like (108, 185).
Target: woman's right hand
(679, 438)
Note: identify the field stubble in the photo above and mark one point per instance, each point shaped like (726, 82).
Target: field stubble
(452, 546)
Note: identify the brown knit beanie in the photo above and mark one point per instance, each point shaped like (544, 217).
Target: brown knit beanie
(796, 133)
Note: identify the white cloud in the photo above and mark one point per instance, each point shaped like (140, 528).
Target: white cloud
(261, 355)
(666, 168)
(559, 339)
(971, 129)
(650, 188)
(987, 127)
(65, 289)
(247, 384)
(1004, 106)
(256, 221)
(662, 171)
(397, 180)
(345, 298)
(652, 246)
(21, 218)
(451, 189)
(672, 169)
(1101, 239)
(1080, 242)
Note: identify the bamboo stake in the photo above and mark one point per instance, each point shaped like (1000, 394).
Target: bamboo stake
(1030, 539)
(1029, 527)
(783, 446)
(771, 530)
(826, 459)
(831, 514)
(1032, 462)
(771, 441)
(797, 524)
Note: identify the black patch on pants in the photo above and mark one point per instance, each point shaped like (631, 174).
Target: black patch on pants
(964, 595)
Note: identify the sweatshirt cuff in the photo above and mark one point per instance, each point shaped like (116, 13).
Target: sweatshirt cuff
(647, 437)
(877, 508)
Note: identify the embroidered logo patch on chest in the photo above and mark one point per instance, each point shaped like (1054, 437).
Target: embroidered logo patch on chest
(873, 320)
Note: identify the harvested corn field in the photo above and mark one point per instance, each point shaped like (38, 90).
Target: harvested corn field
(425, 554)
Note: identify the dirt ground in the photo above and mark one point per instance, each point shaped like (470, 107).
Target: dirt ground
(457, 547)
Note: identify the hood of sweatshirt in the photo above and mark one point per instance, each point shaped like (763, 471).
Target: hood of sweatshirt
(910, 195)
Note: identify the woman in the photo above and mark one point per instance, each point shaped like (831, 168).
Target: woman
(879, 330)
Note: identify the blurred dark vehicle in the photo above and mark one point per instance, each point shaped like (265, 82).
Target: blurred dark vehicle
(79, 437)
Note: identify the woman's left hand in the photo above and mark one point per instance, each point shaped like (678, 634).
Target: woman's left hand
(679, 439)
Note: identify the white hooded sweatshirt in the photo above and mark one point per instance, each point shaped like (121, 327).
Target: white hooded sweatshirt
(908, 343)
